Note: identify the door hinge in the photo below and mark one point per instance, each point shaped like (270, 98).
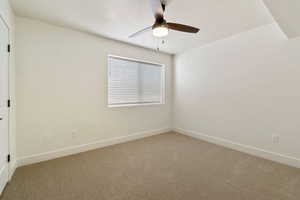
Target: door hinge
(8, 48)
(8, 158)
(8, 103)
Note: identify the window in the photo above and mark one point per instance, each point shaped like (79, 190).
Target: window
(133, 82)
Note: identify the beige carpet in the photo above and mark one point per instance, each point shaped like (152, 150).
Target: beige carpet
(164, 167)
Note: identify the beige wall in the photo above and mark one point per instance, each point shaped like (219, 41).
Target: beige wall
(243, 90)
(62, 89)
(8, 15)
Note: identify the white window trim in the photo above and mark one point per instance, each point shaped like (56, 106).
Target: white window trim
(163, 84)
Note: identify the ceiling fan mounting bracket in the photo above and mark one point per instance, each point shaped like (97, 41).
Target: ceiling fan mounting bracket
(163, 6)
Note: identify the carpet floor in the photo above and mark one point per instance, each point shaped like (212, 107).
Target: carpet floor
(169, 166)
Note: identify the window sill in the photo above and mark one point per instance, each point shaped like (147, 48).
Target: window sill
(134, 105)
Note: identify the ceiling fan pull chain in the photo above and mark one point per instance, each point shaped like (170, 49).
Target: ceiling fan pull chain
(157, 44)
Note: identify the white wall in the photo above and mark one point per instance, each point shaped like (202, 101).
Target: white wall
(243, 89)
(62, 88)
(8, 15)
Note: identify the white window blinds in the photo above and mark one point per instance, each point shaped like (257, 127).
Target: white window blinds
(134, 82)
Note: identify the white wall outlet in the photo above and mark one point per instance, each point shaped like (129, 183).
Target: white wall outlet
(74, 133)
(275, 139)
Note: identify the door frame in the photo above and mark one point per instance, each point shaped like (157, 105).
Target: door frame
(2, 18)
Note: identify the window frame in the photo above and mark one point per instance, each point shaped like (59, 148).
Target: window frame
(163, 82)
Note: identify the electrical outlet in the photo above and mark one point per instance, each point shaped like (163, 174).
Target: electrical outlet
(275, 139)
(74, 133)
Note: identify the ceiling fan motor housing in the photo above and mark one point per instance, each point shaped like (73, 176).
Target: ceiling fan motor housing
(160, 22)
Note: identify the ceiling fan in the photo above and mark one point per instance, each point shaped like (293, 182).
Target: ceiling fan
(161, 27)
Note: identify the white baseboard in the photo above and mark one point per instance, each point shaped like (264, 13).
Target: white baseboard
(87, 147)
(288, 160)
(12, 169)
(6, 171)
(3, 177)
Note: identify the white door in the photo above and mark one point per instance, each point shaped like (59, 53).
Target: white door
(4, 56)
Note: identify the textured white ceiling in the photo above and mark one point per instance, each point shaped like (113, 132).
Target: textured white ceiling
(117, 19)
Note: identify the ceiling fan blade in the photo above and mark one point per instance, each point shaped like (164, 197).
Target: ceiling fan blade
(183, 28)
(141, 32)
(157, 8)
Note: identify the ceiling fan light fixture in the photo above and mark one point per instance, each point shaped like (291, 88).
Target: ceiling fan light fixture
(161, 27)
(160, 31)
